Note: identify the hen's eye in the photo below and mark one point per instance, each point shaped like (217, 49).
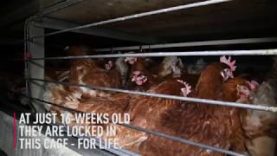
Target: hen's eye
(226, 70)
(226, 74)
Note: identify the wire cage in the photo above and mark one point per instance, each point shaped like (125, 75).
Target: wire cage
(35, 35)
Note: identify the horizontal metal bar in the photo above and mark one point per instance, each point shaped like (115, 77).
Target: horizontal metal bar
(261, 107)
(139, 15)
(155, 133)
(185, 141)
(191, 44)
(59, 24)
(165, 54)
(122, 152)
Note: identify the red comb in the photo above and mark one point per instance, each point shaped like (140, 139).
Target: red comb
(253, 84)
(139, 78)
(187, 89)
(228, 61)
(135, 75)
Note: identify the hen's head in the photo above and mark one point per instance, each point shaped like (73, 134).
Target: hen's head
(227, 72)
(139, 78)
(186, 90)
(131, 60)
(109, 65)
(171, 65)
(245, 91)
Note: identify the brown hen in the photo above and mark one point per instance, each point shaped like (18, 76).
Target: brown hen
(202, 123)
(88, 72)
(261, 126)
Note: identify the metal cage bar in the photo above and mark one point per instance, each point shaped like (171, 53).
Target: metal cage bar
(165, 54)
(157, 54)
(139, 15)
(33, 68)
(193, 44)
(173, 97)
(155, 133)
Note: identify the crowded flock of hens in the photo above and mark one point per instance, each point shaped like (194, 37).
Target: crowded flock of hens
(244, 131)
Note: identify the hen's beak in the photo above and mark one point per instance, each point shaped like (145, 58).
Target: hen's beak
(231, 75)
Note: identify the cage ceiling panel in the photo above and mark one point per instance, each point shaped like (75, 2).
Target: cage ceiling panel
(232, 19)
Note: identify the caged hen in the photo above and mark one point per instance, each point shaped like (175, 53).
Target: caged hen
(88, 72)
(261, 126)
(202, 123)
(144, 114)
(84, 72)
(119, 103)
(61, 96)
(140, 77)
(143, 74)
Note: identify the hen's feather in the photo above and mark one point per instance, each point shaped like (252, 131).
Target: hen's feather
(261, 126)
